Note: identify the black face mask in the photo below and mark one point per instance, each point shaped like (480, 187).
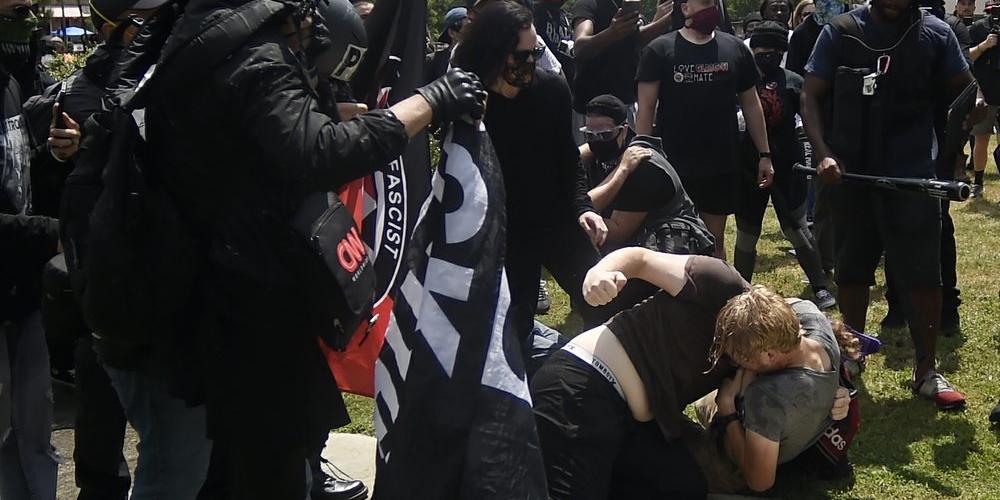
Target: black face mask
(605, 151)
(768, 62)
(520, 74)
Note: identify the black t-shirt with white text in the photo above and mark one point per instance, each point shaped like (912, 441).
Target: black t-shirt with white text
(699, 88)
(553, 25)
(611, 71)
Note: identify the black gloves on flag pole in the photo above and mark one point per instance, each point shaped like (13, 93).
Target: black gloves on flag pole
(456, 94)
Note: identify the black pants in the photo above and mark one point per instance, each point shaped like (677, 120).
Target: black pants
(567, 254)
(592, 447)
(101, 471)
(788, 194)
(950, 293)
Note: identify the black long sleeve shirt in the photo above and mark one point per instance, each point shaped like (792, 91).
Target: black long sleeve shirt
(532, 135)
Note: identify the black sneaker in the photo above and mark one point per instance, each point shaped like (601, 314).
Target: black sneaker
(893, 320)
(995, 414)
(824, 299)
(977, 191)
(336, 485)
(544, 302)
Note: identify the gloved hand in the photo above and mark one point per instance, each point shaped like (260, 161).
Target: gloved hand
(456, 94)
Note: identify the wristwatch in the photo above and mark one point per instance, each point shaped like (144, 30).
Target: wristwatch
(723, 421)
(764, 155)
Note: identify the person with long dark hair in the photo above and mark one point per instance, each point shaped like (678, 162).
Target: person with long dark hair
(550, 219)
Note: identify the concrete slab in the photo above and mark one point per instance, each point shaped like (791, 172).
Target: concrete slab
(353, 454)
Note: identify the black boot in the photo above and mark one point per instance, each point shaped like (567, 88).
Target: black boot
(995, 414)
(336, 485)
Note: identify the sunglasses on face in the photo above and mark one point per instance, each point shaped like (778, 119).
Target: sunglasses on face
(521, 56)
(601, 135)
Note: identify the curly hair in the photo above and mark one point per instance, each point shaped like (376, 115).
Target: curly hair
(753, 322)
(491, 37)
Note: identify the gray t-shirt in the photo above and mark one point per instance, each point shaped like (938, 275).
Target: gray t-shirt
(792, 406)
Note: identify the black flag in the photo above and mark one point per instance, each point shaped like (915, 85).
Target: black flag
(453, 414)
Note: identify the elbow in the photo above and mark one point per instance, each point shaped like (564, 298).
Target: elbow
(759, 479)
(760, 486)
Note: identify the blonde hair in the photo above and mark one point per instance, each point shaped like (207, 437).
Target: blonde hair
(797, 14)
(753, 322)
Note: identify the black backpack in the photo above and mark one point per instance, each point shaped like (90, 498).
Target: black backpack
(132, 259)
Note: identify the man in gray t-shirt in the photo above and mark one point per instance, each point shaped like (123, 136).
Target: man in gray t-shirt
(786, 408)
(791, 406)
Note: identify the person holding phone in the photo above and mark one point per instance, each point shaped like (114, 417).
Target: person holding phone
(608, 37)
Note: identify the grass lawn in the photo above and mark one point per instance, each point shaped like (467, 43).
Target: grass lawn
(906, 449)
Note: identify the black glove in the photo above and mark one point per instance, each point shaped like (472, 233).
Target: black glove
(456, 94)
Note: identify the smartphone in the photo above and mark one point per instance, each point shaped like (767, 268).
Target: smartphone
(60, 100)
(630, 6)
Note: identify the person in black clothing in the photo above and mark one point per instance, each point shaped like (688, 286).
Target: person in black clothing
(889, 132)
(247, 119)
(776, 10)
(552, 24)
(947, 164)
(690, 82)
(986, 67)
(550, 219)
(100, 468)
(779, 91)
(635, 187)
(750, 23)
(638, 192)
(608, 41)
(439, 58)
(28, 462)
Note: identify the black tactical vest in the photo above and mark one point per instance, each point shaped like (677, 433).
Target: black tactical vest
(876, 89)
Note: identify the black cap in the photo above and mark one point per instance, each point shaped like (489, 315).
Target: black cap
(108, 11)
(610, 106)
(770, 34)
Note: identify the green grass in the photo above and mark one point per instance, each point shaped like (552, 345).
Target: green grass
(906, 449)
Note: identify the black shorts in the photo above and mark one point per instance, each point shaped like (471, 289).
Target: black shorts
(714, 194)
(594, 449)
(905, 226)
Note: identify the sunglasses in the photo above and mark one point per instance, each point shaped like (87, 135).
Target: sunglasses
(521, 56)
(601, 135)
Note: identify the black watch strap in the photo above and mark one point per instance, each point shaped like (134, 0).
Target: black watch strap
(764, 155)
(723, 421)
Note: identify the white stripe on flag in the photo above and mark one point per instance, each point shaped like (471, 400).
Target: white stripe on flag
(448, 279)
(496, 371)
(400, 352)
(432, 323)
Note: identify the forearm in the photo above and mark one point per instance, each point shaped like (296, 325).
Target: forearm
(665, 271)
(977, 51)
(415, 114)
(736, 443)
(648, 96)
(602, 195)
(590, 46)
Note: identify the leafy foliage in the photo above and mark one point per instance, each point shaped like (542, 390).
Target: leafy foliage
(65, 65)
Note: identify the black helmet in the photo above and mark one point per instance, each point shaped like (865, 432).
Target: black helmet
(341, 39)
